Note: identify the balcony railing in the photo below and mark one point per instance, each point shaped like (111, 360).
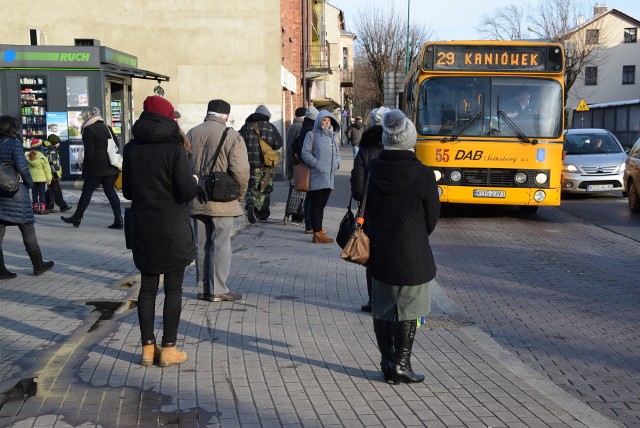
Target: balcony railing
(346, 78)
(317, 57)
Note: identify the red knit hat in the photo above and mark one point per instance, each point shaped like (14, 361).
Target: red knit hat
(156, 104)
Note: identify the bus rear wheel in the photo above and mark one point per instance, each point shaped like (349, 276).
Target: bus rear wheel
(528, 209)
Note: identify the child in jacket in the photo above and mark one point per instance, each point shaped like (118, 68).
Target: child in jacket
(54, 195)
(41, 175)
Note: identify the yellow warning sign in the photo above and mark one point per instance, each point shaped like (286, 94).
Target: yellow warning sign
(582, 106)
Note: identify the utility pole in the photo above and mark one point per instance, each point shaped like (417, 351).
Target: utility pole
(408, 16)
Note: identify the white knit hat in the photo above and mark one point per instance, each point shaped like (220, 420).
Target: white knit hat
(376, 115)
(399, 133)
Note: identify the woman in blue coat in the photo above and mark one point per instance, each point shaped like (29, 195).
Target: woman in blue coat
(15, 208)
(157, 178)
(320, 152)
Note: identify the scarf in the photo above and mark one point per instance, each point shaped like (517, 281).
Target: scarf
(91, 120)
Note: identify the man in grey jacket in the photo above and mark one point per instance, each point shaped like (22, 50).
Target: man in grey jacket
(213, 221)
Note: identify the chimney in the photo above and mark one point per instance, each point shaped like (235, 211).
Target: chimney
(599, 10)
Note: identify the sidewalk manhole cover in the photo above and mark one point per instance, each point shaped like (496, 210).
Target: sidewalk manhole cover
(447, 321)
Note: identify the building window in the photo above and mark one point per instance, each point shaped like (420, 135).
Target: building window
(345, 58)
(591, 75)
(592, 37)
(628, 74)
(630, 35)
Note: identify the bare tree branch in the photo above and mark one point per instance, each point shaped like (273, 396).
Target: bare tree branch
(382, 38)
(553, 20)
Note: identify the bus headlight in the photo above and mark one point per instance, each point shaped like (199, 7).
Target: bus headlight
(455, 176)
(539, 195)
(438, 174)
(521, 178)
(440, 192)
(541, 178)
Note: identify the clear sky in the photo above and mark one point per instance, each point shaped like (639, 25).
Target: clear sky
(458, 19)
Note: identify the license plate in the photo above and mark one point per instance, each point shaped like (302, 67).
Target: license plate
(489, 193)
(599, 187)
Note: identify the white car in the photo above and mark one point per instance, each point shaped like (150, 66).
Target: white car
(594, 161)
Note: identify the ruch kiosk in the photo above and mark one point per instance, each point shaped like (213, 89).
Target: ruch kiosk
(47, 87)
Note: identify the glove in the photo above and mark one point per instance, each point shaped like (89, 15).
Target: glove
(202, 195)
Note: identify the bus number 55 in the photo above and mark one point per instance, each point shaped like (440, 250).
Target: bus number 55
(442, 155)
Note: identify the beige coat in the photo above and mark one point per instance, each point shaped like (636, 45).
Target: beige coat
(233, 159)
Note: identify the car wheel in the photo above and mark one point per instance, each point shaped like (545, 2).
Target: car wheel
(634, 198)
(528, 209)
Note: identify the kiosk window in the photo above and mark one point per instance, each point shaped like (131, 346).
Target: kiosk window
(77, 91)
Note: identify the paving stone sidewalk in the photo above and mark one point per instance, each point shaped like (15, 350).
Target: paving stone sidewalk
(296, 351)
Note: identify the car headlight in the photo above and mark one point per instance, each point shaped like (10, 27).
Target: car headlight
(570, 168)
(541, 178)
(622, 166)
(521, 178)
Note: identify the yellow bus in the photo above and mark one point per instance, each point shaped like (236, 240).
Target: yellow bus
(489, 116)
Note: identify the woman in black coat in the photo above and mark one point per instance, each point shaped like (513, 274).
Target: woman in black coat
(157, 178)
(370, 148)
(15, 207)
(96, 167)
(403, 208)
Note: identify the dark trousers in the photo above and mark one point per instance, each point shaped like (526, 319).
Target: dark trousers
(28, 236)
(319, 199)
(307, 212)
(109, 189)
(172, 306)
(38, 192)
(55, 195)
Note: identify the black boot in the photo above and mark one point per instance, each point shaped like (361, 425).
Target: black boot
(4, 273)
(117, 223)
(384, 337)
(403, 334)
(39, 267)
(74, 219)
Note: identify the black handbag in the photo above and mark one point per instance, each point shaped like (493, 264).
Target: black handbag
(347, 226)
(9, 180)
(217, 186)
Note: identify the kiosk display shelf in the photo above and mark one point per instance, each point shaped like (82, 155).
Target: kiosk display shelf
(33, 101)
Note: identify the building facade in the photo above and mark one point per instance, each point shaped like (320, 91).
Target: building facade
(609, 82)
(248, 53)
(612, 75)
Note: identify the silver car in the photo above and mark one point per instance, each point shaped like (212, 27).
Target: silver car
(594, 161)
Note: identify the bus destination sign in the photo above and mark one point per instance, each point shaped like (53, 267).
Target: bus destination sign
(486, 58)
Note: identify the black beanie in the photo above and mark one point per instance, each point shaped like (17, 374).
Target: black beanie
(219, 106)
(300, 111)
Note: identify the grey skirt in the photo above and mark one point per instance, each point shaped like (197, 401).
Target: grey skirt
(400, 302)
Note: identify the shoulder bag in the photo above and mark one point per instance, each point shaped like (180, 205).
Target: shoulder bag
(357, 248)
(302, 172)
(217, 186)
(9, 180)
(115, 157)
(347, 226)
(271, 157)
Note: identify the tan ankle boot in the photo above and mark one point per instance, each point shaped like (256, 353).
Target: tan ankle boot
(169, 355)
(321, 238)
(150, 355)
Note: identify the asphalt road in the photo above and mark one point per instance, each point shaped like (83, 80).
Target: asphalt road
(557, 290)
(608, 210)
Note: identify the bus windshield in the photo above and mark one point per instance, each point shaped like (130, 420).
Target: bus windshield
(448, 105)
